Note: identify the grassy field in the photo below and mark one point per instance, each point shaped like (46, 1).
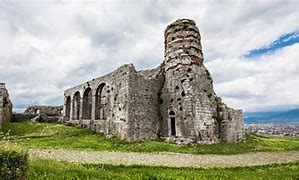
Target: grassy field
(50, 169)
(58, 136)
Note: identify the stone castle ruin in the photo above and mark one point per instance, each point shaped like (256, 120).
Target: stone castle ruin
(175, 101)
(5, 105)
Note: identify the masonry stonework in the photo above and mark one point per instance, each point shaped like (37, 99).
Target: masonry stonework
(5, 106)
(42, 113)
(175, 101)
(46, 110)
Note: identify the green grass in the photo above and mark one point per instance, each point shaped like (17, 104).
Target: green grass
(51, 169)
(59, 136)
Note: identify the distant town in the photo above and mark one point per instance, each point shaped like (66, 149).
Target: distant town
(279, 123)
(274, 129)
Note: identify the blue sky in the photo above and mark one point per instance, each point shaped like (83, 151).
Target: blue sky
(283, 41)
(250, 47)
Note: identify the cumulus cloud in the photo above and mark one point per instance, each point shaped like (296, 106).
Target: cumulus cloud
(48, 46)
(268, 82)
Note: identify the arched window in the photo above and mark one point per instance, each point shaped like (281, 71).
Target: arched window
(68, 108)
(76, 106)
(37, 111)
(172, 123)
(87, 104)
(102, 105)
(172, 113)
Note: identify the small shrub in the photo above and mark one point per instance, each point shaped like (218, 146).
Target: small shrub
(13, 164)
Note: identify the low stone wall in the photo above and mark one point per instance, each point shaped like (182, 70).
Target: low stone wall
(45, 110)
(20, 117)
(40, 114)
(49, 119)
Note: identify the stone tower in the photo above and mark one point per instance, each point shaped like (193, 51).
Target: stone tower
(191, 110)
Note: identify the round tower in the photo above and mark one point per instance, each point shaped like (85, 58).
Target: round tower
(182, 44)
(184, 80)
(190, 109)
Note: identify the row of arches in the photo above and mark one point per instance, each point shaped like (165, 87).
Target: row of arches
(102, 104)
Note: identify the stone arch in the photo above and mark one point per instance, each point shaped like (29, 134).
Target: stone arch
(102, 104)
(87, 103)
(172, 118)
(68, 108)
(76, 105)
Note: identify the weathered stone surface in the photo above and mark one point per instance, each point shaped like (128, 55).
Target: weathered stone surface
(19, 117)
(44, 113)
(175, 101)
(5, 105)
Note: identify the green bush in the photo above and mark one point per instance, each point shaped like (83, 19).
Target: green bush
(13, 164)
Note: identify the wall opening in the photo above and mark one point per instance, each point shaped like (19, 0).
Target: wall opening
(37, 111)
(102, 105)
(68, 108)
(199, 136)
(172, 123)
(173, 133)
(87, 104)
(76, 106)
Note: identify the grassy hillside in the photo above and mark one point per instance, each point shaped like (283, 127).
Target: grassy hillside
(58, 136)
(50, 169)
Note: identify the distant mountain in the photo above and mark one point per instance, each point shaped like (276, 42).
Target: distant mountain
(293, 114)
(277, 117)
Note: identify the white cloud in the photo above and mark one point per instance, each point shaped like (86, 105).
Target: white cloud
(48, 46)
(259, 84)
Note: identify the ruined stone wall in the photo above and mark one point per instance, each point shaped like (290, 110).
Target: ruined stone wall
(21, 117)
(144, 112)
(5, 106)
(134, 106)
(46, 110)
(42, 113)
(115, 86)
(232, 125)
